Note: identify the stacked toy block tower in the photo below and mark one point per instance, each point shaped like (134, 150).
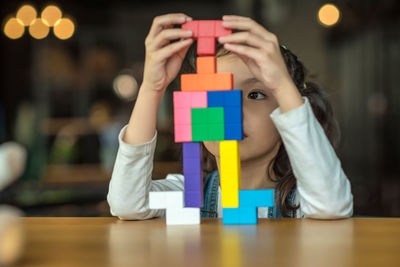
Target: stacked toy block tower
(208, 109)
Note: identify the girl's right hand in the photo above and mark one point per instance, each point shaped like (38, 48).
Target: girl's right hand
(163, 58)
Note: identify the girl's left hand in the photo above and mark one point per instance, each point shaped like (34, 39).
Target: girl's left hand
(259, 49)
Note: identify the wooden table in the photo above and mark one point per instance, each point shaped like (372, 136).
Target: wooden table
(273, 242)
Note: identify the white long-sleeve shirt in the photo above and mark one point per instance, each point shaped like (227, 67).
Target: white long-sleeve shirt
(323, 190)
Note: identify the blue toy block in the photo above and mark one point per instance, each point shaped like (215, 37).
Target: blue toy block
(248, 215)
(230, 216)
(227, 98)
(256, 198)
(231, 101)
(233, 115)
(249, 201)
(239, 215)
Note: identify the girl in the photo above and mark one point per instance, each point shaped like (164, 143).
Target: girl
(287, 127)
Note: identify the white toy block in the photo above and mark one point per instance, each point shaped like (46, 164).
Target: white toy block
(176, 213)
(182, 216)
(174, 199)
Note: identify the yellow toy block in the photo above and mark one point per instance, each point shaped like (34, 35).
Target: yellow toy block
(230, 173)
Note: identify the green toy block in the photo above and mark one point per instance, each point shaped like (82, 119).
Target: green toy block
(208, 124)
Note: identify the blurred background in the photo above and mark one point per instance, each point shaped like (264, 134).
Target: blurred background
(70, 71)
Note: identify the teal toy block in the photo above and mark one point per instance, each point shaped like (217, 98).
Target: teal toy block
(239, 215)
(256, 198)
(249, 201)
(231, 216)
(208, 124)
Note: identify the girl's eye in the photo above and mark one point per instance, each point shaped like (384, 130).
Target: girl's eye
(256, 95)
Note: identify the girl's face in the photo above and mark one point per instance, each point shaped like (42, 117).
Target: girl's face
(260, 137)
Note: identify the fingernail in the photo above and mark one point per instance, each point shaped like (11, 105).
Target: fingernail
(221, 39)
(188, 32)
(189, 19)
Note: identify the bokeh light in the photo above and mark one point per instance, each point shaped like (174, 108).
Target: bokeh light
(51, 15)
(125, 86)
(328, 15)
(13, 29)
(38, 29)
(26, 15)
(64, 28)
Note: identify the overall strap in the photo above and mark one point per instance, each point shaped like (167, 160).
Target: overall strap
(210, 207)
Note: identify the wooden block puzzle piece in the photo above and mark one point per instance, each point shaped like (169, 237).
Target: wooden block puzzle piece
(229, 173)
(208, 124)
(249, 201)
(206, 82)
(206, 32)
(183, 103)
(231, 101)
(206, 65)
(172, 201)
(193, 173)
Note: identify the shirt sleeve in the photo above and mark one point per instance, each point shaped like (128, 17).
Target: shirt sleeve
(131, 182)
(323, 189)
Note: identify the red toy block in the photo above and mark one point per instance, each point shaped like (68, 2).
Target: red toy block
(193, 26)
(206, 82)
(206, 31)
(206, 46)
(220, 30)
(206, 28)
(206, 65)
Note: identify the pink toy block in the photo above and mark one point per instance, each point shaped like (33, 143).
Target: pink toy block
(183, 133)
(182, 116)
(183, 102)
(190, 99)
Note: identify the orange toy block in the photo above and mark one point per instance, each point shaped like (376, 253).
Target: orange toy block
(206, 65)
(207, 82)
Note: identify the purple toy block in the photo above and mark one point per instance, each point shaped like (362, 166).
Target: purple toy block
(192, 171)
(193, 199)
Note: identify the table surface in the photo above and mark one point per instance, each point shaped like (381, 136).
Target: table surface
(272, 242)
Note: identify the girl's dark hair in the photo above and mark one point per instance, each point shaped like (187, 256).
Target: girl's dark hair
(280, 164)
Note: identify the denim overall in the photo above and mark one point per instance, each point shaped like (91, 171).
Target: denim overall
(210, 208)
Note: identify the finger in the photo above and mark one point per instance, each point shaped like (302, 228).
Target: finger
(165, 36)
(173, 48)
(246, 24)
(164, 21)
(243, 37)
